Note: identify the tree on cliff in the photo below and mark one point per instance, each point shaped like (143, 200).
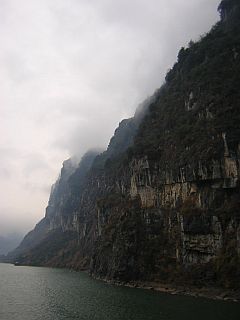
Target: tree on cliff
(225, 6)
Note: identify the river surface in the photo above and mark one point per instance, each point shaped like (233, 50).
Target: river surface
(31, 293)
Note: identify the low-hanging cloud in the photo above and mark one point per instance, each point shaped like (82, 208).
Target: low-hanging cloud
(69, 72)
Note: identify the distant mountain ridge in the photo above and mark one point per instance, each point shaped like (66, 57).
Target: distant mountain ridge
(8, 243)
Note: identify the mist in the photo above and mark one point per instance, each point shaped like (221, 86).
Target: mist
(69, 72)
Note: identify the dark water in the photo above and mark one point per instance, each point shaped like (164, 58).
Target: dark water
(28, 293)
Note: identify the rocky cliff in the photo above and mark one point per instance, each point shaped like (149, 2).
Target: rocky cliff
(59, 191)
(167, 205)
(60, 228)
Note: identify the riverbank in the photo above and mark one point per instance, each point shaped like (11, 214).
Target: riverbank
(213, 293)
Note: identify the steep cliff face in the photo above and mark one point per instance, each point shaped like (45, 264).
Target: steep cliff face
(59, 192)
(173, 210)
(184, 230)
(168, 208)
(56, 238)
(124, 135)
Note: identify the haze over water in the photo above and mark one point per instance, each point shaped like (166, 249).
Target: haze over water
(56, 294)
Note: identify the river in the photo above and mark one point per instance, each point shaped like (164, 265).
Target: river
(33, 293)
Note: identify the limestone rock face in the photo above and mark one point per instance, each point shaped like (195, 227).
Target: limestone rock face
(55, 212)
(172, 211)
(161, 226)
(71, 192)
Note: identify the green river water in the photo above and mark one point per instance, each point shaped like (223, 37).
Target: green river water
(31, 293)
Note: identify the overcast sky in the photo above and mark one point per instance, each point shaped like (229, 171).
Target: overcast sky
(70, 70)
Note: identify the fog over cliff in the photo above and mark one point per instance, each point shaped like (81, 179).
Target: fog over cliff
(69, 72)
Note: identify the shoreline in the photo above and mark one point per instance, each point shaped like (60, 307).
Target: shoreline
(212, 293)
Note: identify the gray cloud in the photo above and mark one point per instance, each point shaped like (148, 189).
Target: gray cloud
(69, 72)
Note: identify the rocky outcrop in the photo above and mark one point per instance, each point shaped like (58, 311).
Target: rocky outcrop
(58, 191)
(172, 210)
(62, 212)
(124, 135)
(55, 217)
